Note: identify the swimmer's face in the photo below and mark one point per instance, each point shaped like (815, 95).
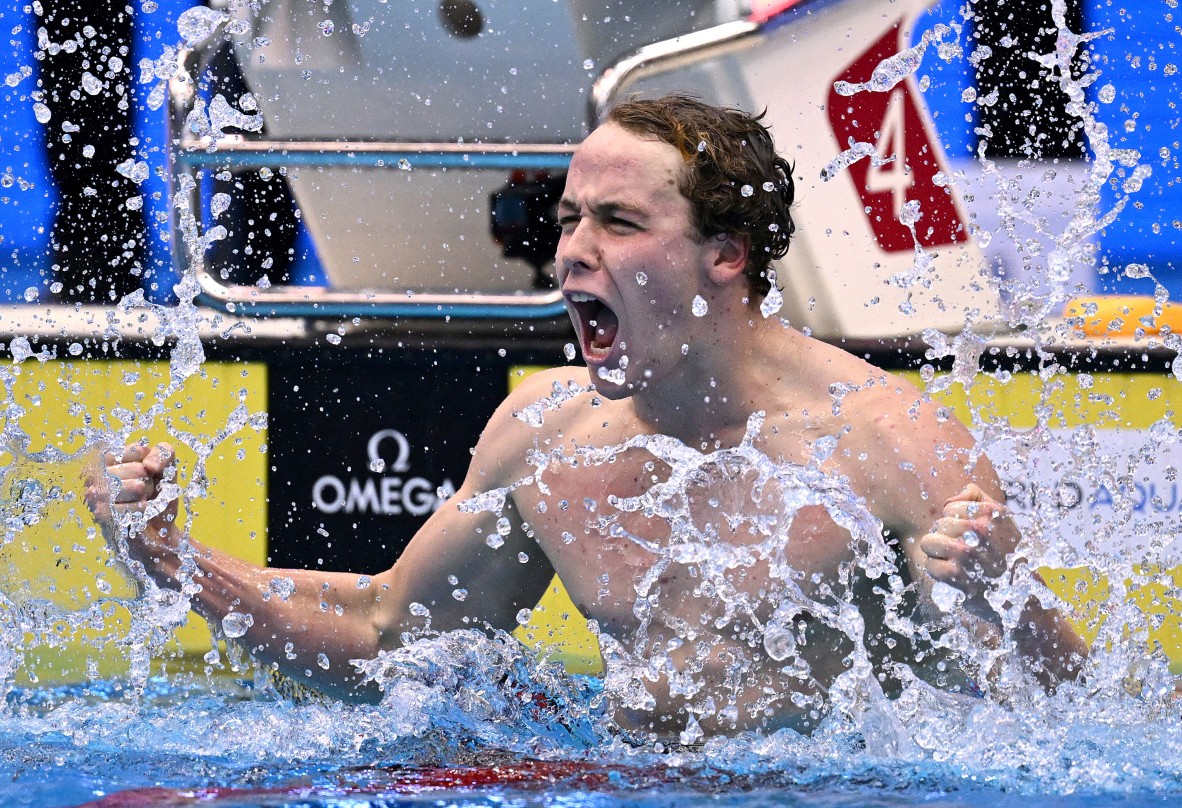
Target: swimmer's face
(629, 260)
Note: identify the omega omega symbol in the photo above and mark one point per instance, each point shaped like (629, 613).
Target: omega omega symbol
(377, 463)
(385, 491)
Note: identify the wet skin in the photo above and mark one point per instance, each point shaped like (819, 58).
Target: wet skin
(621, 215)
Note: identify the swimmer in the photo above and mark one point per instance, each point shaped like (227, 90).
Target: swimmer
(671, 214)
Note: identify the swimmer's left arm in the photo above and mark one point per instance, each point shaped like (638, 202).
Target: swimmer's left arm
(929, 482)
(971, 547)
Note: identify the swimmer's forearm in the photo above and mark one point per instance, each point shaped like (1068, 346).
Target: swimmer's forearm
(1048, 638)
(306, 624)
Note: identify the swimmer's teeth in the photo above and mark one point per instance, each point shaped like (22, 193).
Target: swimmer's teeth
(580, 297)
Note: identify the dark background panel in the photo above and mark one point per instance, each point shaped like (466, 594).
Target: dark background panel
(330, 505)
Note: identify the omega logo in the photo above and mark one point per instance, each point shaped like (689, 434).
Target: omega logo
(387, 494)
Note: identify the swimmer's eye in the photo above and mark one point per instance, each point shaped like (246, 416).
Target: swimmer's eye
(571, 220)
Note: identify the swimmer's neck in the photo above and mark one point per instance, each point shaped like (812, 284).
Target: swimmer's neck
(734, 372)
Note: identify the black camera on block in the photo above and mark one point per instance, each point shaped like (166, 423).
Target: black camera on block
(524, 223)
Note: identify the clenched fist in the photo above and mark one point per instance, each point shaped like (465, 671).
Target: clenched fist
(133, 496)
(969, 547)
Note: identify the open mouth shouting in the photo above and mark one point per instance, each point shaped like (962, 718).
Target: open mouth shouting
(596, 324)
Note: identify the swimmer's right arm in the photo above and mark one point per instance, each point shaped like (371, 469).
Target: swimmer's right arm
(336, 617)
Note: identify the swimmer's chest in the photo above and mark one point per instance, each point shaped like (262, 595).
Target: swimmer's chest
(605, 521)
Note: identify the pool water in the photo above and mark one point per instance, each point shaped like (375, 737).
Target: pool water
(497, 728)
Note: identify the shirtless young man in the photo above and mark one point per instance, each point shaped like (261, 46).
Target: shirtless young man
(655, 224)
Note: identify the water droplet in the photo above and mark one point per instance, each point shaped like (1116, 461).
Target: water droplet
(236, 624)
(772, 302)
(31, 294)
(946, 597)
(746, 190)
(523, 617)
(212, 657)
(910, 213)
(377, 465)
(569, 351)
(460, 594)
(700, 307)
(614, 376)
(284, 588)
(684, 348)
(779, 643)
(404, 164)
(135, 171)
(335, 339)
(641, 278)
(198, 23)
(363, 582)
(91, 84)
(419, 610)
(218, 204)
(326, 27)
(322, 661)
(769, 186)
(588, 64)
(1107, 94)
(41, 113)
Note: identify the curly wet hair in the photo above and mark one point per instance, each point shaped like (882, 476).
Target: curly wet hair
(735, 182)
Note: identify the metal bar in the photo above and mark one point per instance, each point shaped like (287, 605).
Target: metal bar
(665, 55)
(311, 301)
(390, 155)
(192, 154)
(688, 49)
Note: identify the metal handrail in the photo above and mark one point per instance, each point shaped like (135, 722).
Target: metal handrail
(192, 154)
(665, 55)
(690, 48)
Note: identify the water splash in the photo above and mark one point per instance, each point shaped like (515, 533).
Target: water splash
(894, 69)
(199, 23)
(469, 686)
(730, 513)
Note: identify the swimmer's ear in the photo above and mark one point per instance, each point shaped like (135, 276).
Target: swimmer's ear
(727, 257)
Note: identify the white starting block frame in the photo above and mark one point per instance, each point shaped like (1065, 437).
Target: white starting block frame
(843, 278)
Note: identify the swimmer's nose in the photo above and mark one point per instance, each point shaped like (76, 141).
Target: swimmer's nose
(577, 250)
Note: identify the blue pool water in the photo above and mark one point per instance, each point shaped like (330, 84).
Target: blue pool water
(248, 746)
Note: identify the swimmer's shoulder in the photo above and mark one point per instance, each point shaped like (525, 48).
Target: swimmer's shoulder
(539, 383)
(534, 409)
(543, 400)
